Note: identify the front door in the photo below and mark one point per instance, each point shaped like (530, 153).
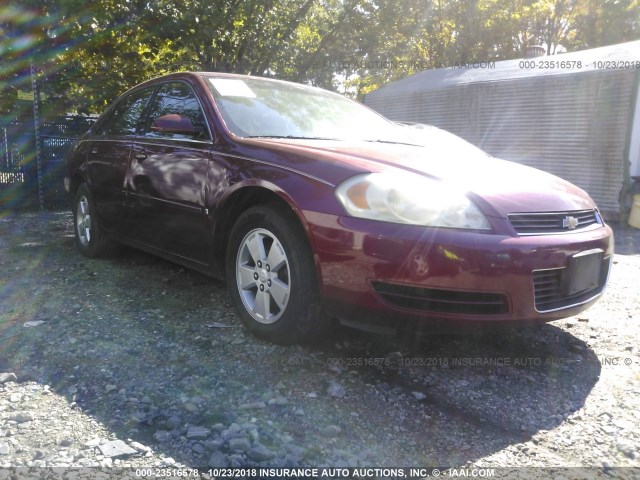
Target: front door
(166, 181)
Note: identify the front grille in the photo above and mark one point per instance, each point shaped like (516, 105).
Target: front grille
(553, 222)
(548, 286)
(442, 301)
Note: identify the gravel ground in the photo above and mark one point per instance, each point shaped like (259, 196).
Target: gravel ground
(136, 362)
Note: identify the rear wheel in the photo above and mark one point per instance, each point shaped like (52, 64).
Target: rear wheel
(90, 238)
(272, 277)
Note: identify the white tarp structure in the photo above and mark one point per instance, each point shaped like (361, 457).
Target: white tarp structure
(576, 115)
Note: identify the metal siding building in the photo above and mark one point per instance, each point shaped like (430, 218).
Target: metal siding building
(582, 124)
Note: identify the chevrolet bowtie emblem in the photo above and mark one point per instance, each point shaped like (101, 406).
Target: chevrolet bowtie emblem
(569, 222)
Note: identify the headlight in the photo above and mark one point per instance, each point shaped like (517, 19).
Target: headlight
(410, 199)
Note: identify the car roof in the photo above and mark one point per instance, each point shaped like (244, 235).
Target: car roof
(197, 74)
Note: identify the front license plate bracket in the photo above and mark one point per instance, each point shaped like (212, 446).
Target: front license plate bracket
(583, 272)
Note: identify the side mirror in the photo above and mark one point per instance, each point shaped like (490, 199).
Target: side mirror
(175, 124)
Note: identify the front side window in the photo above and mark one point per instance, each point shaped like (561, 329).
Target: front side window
(125, 118)
(175, 113)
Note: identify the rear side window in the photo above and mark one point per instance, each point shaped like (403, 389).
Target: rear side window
(125, 118)
(175, 113)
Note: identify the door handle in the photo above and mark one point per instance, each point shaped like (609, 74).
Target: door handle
(140, 157)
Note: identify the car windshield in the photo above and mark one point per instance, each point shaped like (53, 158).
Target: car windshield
(263, 108)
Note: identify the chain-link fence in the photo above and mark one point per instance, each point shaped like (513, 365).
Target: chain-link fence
(26, 181)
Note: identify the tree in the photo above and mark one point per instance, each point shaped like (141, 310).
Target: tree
(88, 53)
(606, 22)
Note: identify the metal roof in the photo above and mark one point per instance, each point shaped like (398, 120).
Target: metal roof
(616, 57)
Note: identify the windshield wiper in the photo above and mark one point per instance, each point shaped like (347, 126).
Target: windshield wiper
(393, 142)
(292, 137)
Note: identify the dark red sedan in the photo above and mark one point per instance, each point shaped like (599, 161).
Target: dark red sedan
(313, 207)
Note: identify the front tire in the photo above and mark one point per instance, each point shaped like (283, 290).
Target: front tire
(272, 278)
(90, 239)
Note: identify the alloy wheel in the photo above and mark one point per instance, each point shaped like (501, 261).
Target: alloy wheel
(83, 221)
(263, 276)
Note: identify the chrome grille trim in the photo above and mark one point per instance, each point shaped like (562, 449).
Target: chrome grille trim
(545, 223)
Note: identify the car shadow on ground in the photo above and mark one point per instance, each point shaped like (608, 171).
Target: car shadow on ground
(512, 381)
(150, 349)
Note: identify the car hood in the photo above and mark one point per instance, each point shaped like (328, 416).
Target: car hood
(498, 186)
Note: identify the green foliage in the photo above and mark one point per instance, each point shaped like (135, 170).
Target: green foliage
(87, 53)
(605, 22)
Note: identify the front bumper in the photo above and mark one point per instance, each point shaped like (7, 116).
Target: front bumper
(377, 272)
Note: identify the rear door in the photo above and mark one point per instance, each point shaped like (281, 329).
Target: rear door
(108, 158)
(166, 180)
